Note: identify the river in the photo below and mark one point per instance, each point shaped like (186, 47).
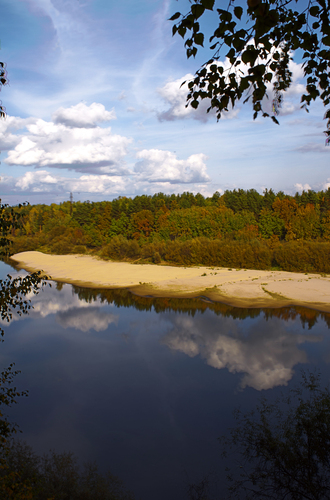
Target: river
(146, 386)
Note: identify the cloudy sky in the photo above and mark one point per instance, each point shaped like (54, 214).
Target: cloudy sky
(95, 108)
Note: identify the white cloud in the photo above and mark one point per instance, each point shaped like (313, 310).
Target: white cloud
(326, 185)
(102, 184)
(69, 310)
(8, 140)
(266, 360)
(35, 180)
(82, 116)
(42, 181)
(156, 171)
(87, 319)
(302, 187)
(175, 94)
(74, 142)
(163, 166)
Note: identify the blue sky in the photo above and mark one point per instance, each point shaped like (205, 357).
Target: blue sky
(95, 108)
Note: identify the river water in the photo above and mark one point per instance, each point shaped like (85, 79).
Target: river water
(146, 386)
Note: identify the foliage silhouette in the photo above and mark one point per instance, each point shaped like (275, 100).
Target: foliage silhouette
(258, 38)
(54, 476)
(282, 449)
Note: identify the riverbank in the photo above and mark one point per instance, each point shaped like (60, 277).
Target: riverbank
(241, 287)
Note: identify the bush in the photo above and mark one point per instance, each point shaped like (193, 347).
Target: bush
(25, 475)
(62, 247)
(302, 256)
(119, 248)
(156, 259)
(79, 249)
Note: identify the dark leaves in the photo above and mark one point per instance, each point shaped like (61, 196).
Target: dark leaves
(251, 42)
(175, 16)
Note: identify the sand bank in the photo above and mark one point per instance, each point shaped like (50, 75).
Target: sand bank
(238, 287)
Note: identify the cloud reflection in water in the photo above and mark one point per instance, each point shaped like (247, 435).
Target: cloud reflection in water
(266, 357)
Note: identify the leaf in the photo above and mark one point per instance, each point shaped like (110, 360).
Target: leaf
(326, 40)
(175, 16)
(182, 31)
(199, 38)
(238, 11)
(314, 11)
(246, 56)
(244, 84)
(230, 55)
(191, 52)
(208, 4)
(194, 104)
(197, 10)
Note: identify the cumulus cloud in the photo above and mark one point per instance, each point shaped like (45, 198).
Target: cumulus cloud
(72, 141)
(302, 187)
(176, 96)
(8, 140)
(36, 182)
(42, 181)
(156, 165)
(266, 360)
(82, 116)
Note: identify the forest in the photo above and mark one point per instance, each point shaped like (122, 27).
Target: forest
(240, 228)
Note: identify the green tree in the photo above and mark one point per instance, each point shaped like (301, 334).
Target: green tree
(258, 38)
(270, 223)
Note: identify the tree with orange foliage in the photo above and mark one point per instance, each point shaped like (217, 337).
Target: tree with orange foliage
(142, 224)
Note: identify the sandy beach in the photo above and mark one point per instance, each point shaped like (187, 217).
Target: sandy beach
(237, 287)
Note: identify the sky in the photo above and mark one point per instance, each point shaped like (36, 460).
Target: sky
(95, 108)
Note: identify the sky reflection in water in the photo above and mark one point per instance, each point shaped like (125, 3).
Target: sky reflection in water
(146, 393)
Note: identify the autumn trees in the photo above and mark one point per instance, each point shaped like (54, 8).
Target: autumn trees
(185, 229)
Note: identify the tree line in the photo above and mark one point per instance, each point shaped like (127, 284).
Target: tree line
(240, 228)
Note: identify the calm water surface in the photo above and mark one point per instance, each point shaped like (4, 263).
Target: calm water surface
(145, 387)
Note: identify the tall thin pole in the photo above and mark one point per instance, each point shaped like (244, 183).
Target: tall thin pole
(71, 199)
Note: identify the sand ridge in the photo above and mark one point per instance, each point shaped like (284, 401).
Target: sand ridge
(249, 288)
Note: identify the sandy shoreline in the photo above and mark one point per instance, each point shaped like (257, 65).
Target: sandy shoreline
(243, 288)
